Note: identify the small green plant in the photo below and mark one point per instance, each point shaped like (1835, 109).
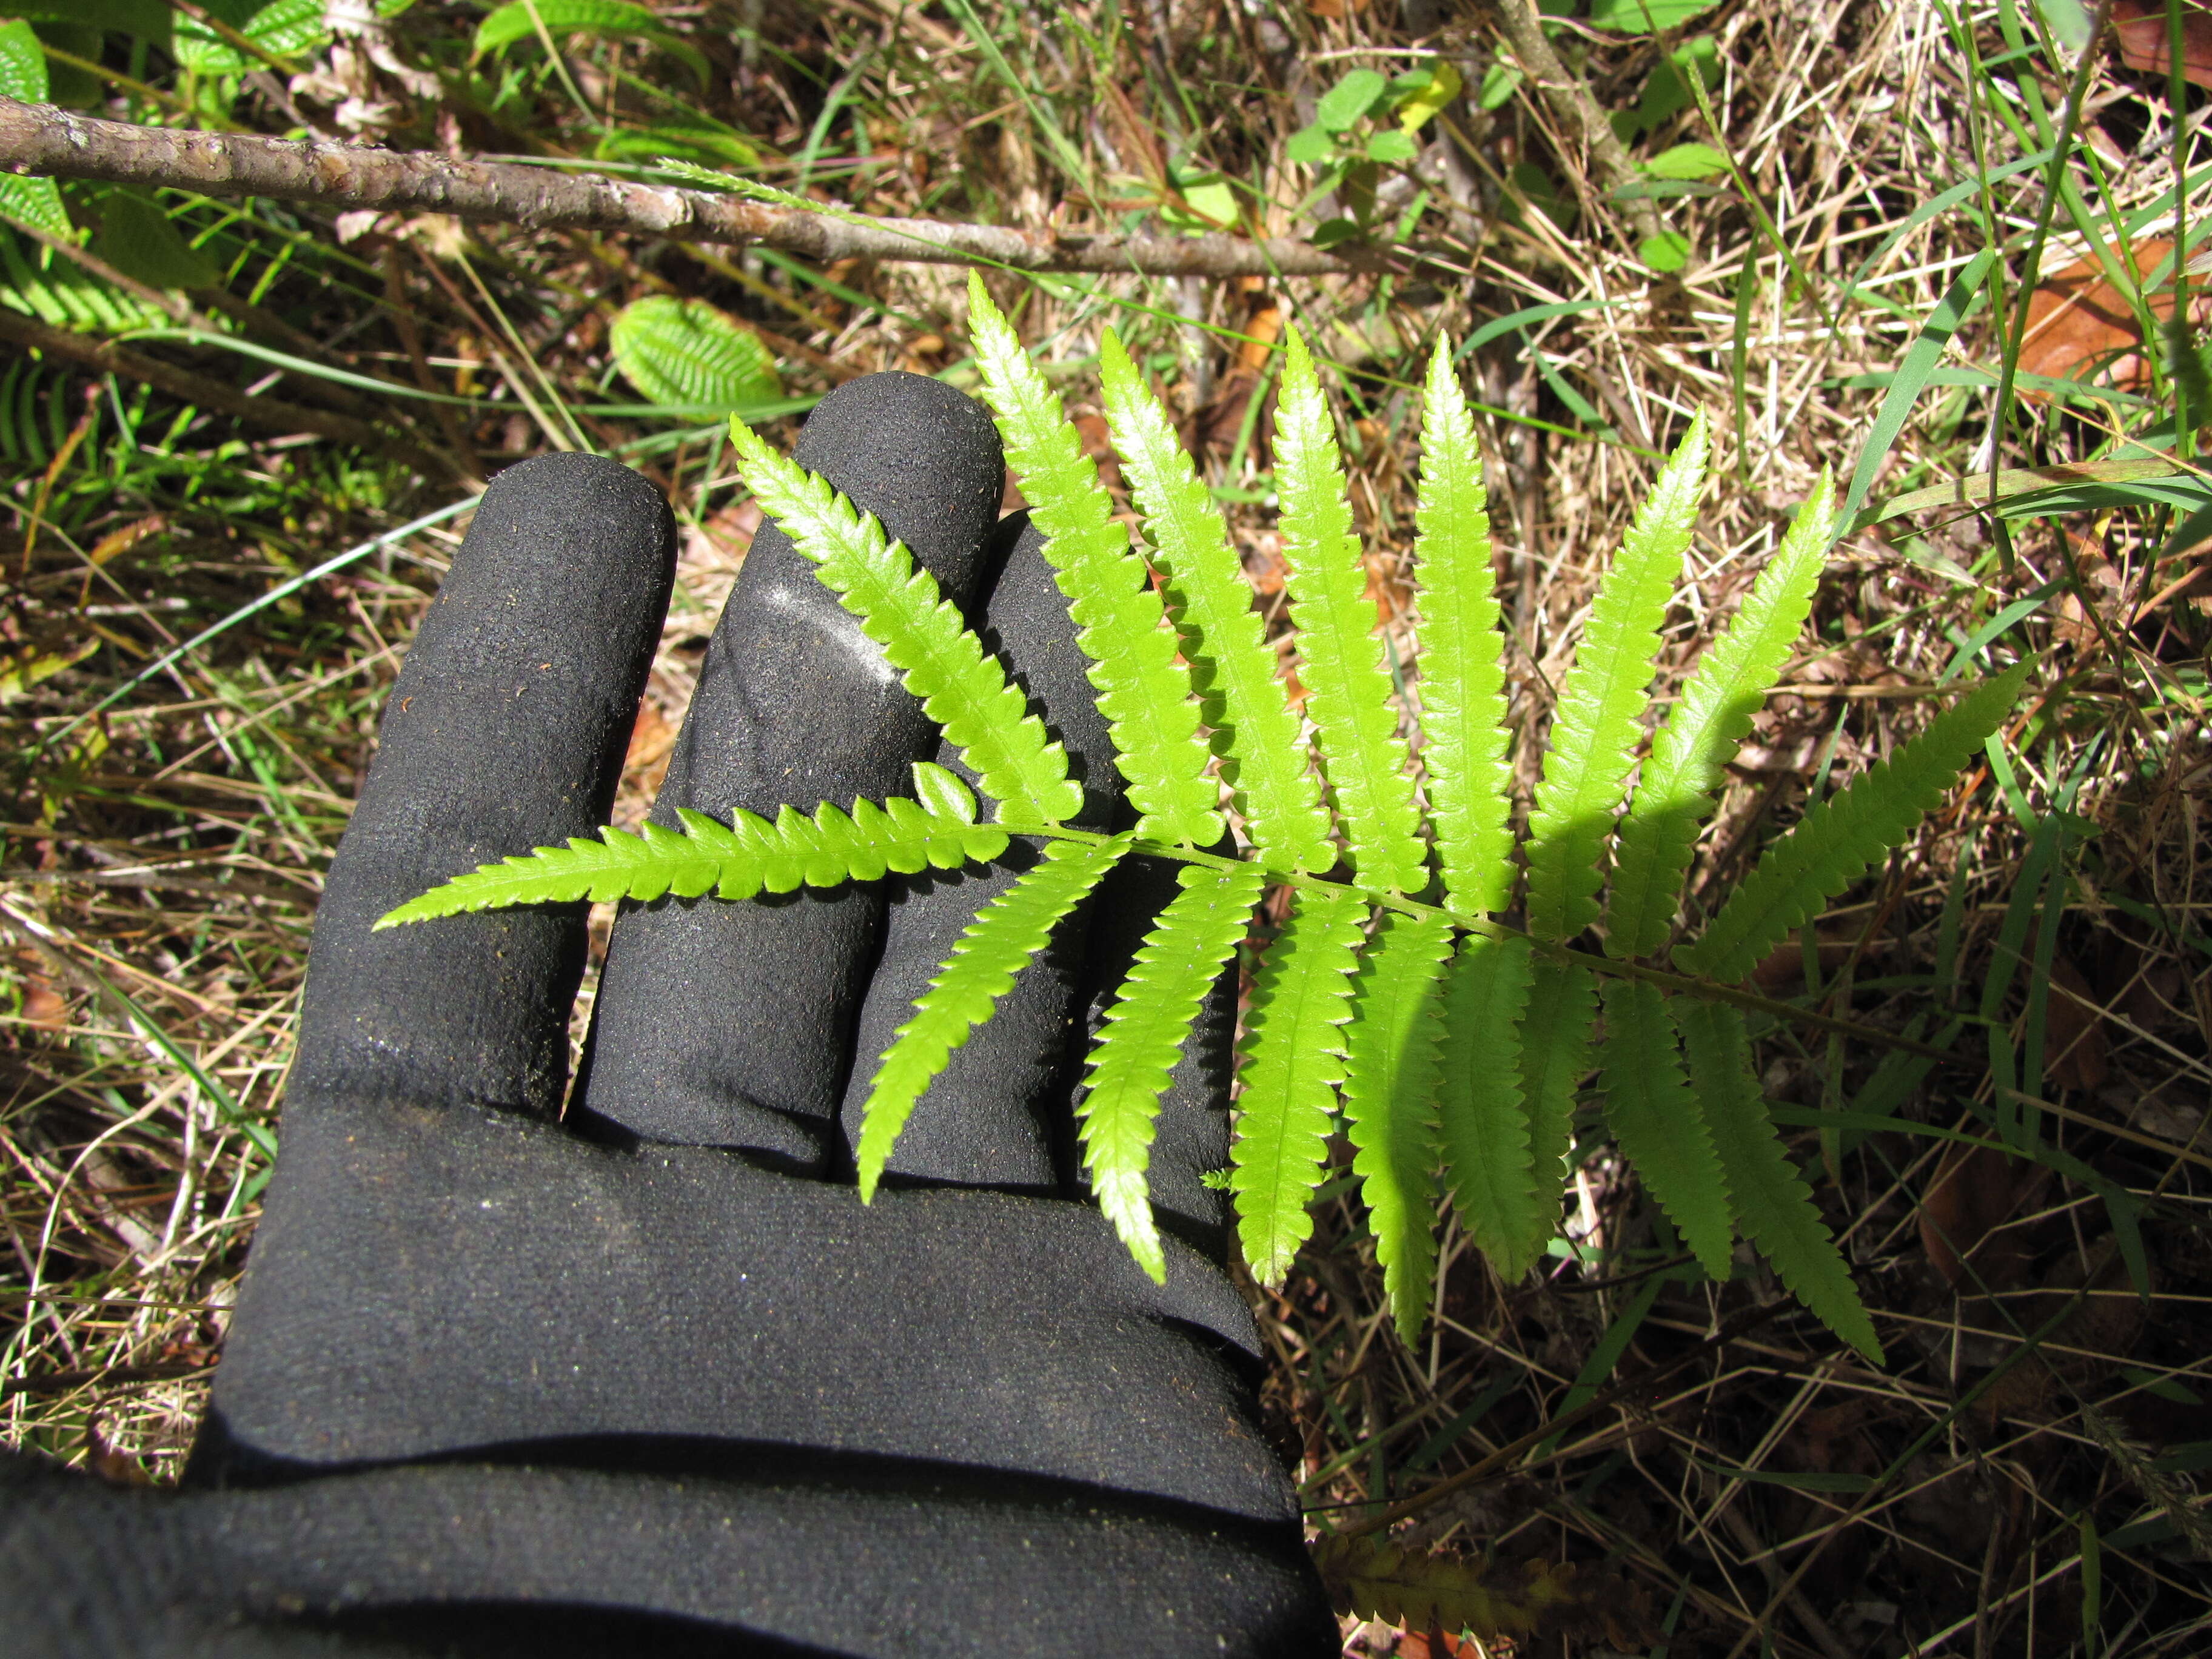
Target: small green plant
(1396, 999)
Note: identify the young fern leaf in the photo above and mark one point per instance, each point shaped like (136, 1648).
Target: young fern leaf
(1594, 731)
(1143, 1037)
(1293, 1059)
(1713, 717)
(1004, 935)
(1654, 1119)
(1771, 1202)
(1555, 1054)
(923, 636)
(1836, 842)
(1390, 1094)
(1482, 1122)
(748, 856)
(1143, 692)
(1349, 689)
(1462, 682)
(1256, 732)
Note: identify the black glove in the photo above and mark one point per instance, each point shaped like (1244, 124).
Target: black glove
(651, 1372)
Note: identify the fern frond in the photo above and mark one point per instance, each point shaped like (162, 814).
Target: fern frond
(1143, 1037)
(1482, 1121)
(1838, 840)
(735, 860)
(923, 636)
(1462, 682)
(1389, 1096)
(1294, 1045)
(1771, 1203)
(1654, 1118)
(1004, 935)
(1144, 691)
(1362, 753)
(1257, 734)
(1555, 1054)
(1675, 793)
(1376, 1578)
(1593, 730)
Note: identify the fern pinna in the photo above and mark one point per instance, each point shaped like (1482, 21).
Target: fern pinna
(1396, 1002)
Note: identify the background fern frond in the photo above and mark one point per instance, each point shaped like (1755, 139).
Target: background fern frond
(1004, 935)
(1349, 689)
(1555, 1054)
(1143, 1036)
(1595, 730)
(924, 636)
(1294, 1045)
(1656, 1120)
(735, 860)
(1258, 735)
(1713, 716)
(1482, 1119)
(1838, 840)
(1462, 683)
(1144, 691)
(1389, 1096)
(1771, 1202)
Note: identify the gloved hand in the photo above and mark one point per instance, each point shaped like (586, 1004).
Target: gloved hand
(648, 1370)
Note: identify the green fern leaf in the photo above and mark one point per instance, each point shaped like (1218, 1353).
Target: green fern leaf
(1482, 1121)
(1771, 1202)
(1144, 691)
(1462, 679)
(1594, 731)
(923, 636)
(1838, 840)
(1294, 1045)
(1350, 688)
(1675, 793)
(1143, 1037)
(23, 74)
(747, 856)
(1004, 935)
(1555, 1054)
(1654, 1119)
(1390, 1094)
(1257, 734)
(687, 353)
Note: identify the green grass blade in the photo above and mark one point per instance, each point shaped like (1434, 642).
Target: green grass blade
(1144, 691)
(1463, 675)
(1294, 1043)
(1143, 1037)
(923, 636)
(1004, 935)
(1684, 770)
(1836, 842)
(1771, 1202)
(1555, 1056)
(1654, 1119)
(1482, 1120)
(1259, 736)
(1391, 1061)
(735, 861)
(1349, 689)
(1595, 730)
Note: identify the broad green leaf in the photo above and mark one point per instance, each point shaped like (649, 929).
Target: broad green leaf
(283, 28)
(1293, 1049)
(33, 202)
(519, 19)
(1259, 736)
(1683, 771)
(1349, 689)
(1771, 1202)
(1556, 1050)
(1643, 16)
(140, 241)
(1668, 251)
(1390, 1103)
(1142, 1039)
(1349, 99)
(1463, 676)
(1004, 935)
(1686, 161)
(1595, 729)
(1482, 1118)
(1144, 691)
(1839, 839)
(1654, 1119)
(687, 353)
(923, 637)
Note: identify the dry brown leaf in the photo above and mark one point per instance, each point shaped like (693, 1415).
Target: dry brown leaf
(2139, 30)
(2073, 1031)
(2081, 327)
(1975, 1192)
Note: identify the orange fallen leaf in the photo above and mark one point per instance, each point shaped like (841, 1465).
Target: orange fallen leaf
(2139, 28)
(2080, 326)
